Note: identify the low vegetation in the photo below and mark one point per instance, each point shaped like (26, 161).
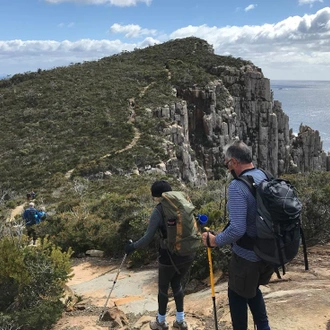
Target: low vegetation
(32, 279)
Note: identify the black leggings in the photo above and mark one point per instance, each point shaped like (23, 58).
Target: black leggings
(168, 275)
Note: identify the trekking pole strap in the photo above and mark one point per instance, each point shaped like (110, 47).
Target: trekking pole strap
(208, 237)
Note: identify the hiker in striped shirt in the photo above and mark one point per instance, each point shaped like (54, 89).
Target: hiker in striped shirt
(246, 271)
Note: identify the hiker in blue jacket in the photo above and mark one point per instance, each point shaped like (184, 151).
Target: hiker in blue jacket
(42, 215)
(246, 271)
(30, 216)
(171, 267)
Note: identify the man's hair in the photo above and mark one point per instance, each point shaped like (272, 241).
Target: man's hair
(31, 204)
(158, 187)
(240, 151)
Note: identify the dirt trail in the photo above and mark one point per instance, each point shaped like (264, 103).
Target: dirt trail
(135, 139)
(18, 210)
(301, 300)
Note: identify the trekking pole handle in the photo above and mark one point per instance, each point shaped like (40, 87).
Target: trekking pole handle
(208, 237)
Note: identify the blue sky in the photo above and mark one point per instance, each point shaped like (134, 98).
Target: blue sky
(287, 39)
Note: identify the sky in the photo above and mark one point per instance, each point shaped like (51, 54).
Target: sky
(287, 39)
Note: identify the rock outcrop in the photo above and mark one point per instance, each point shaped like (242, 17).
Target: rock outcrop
(239, 105)
(181, 162)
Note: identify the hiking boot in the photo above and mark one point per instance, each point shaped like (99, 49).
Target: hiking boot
(180, 325)
(155, 325)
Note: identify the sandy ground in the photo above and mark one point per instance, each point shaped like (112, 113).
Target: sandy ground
(18, 210)
(301, 300)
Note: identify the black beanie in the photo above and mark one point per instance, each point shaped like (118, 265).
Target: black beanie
(158, 187)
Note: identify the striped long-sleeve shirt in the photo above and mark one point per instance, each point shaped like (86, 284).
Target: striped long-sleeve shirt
(242, 210)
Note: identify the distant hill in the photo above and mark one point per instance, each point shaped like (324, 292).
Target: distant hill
(69, 117)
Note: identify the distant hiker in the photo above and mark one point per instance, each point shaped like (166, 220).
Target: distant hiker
(31, 218)
(42, 215)
(171, 267)
(246, 271)
(31, 195)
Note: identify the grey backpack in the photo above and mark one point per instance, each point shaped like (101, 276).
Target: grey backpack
(278, 221)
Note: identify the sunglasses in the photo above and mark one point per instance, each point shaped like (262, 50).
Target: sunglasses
(226, 163)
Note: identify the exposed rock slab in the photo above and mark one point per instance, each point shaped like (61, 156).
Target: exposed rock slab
(301, 300)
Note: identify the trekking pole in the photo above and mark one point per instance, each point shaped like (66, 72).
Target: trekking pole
(114, 282)
(209, 255)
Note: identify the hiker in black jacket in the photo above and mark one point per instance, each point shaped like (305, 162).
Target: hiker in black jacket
(171, 267)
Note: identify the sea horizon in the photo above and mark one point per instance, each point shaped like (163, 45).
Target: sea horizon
(305, 102)
(298, 80)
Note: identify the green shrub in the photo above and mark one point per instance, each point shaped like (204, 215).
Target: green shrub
(220, 260)
(314, 191)
(31, 283)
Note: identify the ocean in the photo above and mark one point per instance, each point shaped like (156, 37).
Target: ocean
(306, 102)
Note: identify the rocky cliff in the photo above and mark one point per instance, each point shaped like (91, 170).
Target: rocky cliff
(239, 104)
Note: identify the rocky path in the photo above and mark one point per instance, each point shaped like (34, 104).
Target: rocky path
(301, 300)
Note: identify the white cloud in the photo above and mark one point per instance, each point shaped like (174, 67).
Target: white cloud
(131, 30)
(21, 56)
(250, 7)
(295, 41)
(62, 25)
(148, 42)
(308, 2)
(295, 48)
(119, 3)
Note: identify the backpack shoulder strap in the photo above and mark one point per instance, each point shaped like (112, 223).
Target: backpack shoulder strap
(249, 181)
(246, 241)
(162, 228)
